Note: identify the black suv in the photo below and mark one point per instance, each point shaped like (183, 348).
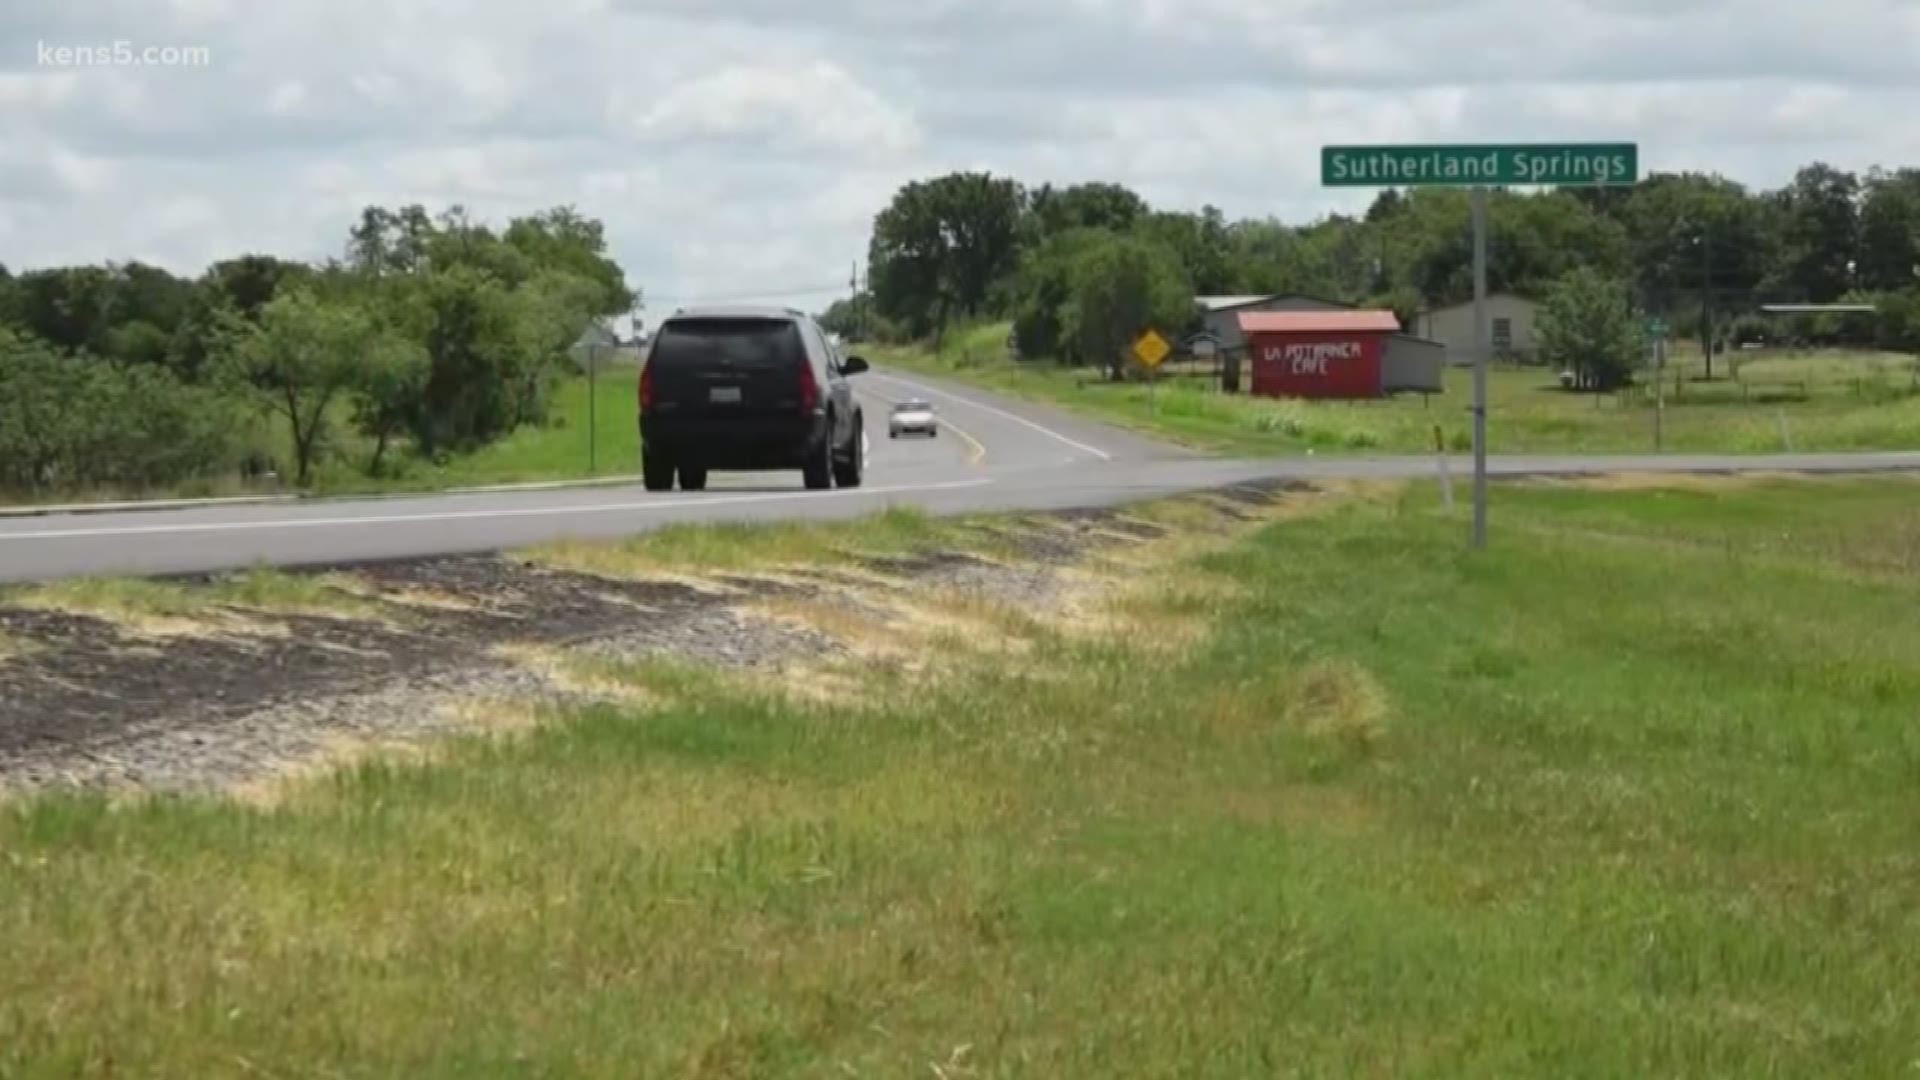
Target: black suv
(748, 389)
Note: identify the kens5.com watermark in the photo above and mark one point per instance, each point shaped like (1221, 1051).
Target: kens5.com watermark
(123, 54)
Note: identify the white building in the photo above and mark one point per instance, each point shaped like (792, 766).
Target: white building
(1513, 321)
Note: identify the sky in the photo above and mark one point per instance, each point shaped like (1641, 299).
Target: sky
(738, 149)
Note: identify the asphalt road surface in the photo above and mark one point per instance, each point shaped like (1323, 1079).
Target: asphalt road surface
(992, 454)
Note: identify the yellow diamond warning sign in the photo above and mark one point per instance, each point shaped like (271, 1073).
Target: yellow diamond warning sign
(1151, 349)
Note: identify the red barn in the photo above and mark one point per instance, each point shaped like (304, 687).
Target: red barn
(1319, 354)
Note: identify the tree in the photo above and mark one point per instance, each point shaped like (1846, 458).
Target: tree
(842, 317)
(1200, 240)
(1268, 257)
(391, 241)
(941, 246)
(299, 358)
(1044, 286)
(552, 311)
(1122, 285)
(1890, 230)
(1084, 206)
(138, 342)
(387, 389)
(248, 283)
(479, 361)
(562, 240)
(1587, 327)
(76, 422)
(69, 308)
(1821, 228)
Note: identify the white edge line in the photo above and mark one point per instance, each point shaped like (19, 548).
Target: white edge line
(1042, 429)
(479, 515)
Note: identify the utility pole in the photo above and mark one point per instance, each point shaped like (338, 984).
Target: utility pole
(859, 315)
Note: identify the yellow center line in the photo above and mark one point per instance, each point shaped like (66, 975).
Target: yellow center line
(979, 453)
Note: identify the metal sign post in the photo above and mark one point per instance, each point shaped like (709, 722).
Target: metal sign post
(1150, 349)
(1482, 351)
(593, 408)
(1657, 329)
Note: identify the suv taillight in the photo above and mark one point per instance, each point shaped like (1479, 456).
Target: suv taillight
(646, 388)
(809, 389)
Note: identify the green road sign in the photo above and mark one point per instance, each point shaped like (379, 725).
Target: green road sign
(1552, 165)
(1656, 327)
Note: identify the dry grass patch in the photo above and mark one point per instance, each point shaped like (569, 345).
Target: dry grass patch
(150, 609)
(300, 779)
(1189, 513)
(1337, 702)
(991, 622)
(583, 675)
(491, 716)
(405, 596)
(1137, 601)
(868, 625)
(822, 684)
(328, 596)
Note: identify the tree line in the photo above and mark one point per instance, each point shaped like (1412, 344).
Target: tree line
(1079, 268)
(434, 334)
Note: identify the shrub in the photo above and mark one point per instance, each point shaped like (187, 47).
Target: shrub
(75, 422)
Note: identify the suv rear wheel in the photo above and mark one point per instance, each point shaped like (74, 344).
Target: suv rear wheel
(656, 472)
(818, 470)
(693, 477)
(851, 467)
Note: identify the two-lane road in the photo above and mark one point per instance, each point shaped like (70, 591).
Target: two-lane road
(993, 454)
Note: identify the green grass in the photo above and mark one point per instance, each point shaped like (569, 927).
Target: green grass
(1851, 402)
(1630, 796)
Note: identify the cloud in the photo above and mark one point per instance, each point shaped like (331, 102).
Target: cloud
(736, 147)
(782, 107)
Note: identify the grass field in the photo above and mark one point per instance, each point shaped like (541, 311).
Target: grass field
(1823, 402)
(1632, 796)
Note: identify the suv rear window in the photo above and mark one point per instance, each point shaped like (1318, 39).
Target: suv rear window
(764, 344)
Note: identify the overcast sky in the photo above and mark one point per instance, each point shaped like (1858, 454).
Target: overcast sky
(739, 148)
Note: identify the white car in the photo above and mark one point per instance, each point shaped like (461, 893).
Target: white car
(913, 418)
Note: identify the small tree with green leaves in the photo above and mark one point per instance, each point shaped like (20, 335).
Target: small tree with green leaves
(1587, 327)
(386, 394)
(1120, 288)
(302, 356)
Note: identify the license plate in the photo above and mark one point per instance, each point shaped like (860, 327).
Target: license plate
(724, 395)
